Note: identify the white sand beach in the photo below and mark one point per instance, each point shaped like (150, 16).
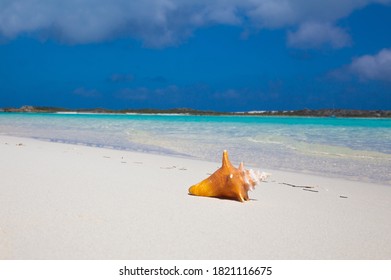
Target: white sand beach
(61, 201)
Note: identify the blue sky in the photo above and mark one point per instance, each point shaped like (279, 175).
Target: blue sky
(232, 55)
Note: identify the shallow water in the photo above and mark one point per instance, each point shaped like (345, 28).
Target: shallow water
(357, 149)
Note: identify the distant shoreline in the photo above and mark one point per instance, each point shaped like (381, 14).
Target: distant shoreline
(346, 113)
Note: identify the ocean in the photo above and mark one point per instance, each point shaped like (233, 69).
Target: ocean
(351, 148)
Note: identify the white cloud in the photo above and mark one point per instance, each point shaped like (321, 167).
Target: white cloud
(314, 35)
(162, 22)
(273, 14)
(373, 67)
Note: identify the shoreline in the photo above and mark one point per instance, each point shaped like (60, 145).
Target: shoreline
(271, 115)
(351, 149)
(65, 201)
(324, 112)
(189, 157)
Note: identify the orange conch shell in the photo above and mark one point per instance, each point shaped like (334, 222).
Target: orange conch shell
(228, 182)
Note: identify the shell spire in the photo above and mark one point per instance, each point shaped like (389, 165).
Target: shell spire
(225, 162)
(227, 182)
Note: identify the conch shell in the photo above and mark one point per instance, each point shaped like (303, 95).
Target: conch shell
(228, 182)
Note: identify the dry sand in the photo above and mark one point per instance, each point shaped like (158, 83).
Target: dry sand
(60, 201)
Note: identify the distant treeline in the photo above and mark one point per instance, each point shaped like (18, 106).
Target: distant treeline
(189, 111)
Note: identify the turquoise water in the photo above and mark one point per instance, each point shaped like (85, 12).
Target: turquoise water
(358, 149)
